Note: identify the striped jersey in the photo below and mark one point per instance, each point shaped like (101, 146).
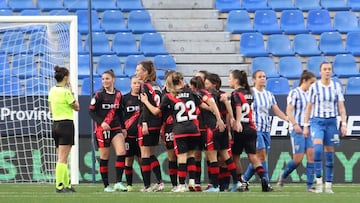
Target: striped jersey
(298, 99)
(263, 101)
(325, 99)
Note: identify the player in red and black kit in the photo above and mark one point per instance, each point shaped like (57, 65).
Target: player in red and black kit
(106, 111)
(210, 123)
(227, 166)
(183, 105)
(149, 126)
(168, 138)
(244, 134)
(131, 105)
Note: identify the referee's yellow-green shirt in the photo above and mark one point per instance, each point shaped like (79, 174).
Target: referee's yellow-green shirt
(60, 99)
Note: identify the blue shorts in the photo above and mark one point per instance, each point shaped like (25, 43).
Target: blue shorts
(299, 143)
(263, 141)
(326, 130)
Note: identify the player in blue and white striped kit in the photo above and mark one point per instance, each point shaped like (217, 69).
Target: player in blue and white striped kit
(325, 103)
(263, 102)
(295, 110)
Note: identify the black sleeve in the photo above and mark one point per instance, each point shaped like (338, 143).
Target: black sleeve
(93, 108)
(120, 113)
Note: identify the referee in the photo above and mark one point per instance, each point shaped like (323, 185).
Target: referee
(62, 103)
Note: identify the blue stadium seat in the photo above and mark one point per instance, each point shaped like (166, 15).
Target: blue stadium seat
(107, 62)
(345, 66)
(331, 44)
(46, 5)
(252, 45)
(354, 5)
(152, 44)
(129, 5)
(334, 5)
(306, 5)
(139, 21)
(238, 21)
(36, 86)
(6, 12)
(346, 21)
(163, 63)
(112, 21)
(38, 43)
(74, 5)
(266, 64)
(266, 22)
(353, 86)
(123, 84)
(30, 12)
(3, 5)
(18, 5)
(353, 43)
(279, 5)
(131, 62)
(278, 86)
(306, 45)
(337, 80)
(83, 66)
(100, 44)
(290, 67)
(4, 65)
(254, 5)
(13, 42)
(124, 43)
(319, 21)
(226, 6)
(100, 5)
(59, 12)
(83, 23)
(292, 22)
(279, 45)
(86, 85)
(24, 66)
(313, 64)
(10, 86)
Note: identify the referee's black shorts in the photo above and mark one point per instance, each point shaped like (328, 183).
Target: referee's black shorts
(63, 132)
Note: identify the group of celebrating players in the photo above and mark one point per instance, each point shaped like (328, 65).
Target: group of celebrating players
(198, 116)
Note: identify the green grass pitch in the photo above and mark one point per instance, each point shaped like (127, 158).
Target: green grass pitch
(88, 193)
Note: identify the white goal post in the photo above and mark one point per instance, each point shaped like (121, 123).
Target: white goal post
(22, 117)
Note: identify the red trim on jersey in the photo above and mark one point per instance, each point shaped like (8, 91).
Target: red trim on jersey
(128, 171)
(133, 118)
(250, 114)
(154, 164)
(181, 174)
(99, 136)
(186, 135)
(140, 136)
(172, 171)
(145, 168)
(191, 167)
(209, 139)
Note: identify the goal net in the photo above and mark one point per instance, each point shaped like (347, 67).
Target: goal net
(30, 48)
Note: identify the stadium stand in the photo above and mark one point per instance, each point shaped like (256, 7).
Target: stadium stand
(353, 86)
(100, 44)
(331, 43)
(319, 21)
(107, 62)
(18, 5)
(344, 66)
(139, 21)
(252, 44)
(152, 44)
(266, 22)
(254, 5)
(129, 5)
(279, 5)
(307, 5)
(346, 21)
(279, 45)
(306, 45)
(290, 67)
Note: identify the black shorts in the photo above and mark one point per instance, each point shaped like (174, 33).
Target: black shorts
(132, 147)
(63, 132)
(244, 140)
(169, 140)
(213, 139)
(152, 139)
(185, 144)
(104, 137)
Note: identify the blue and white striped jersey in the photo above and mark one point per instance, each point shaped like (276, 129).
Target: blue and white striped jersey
(263, 101)
(325, 99)
(298, 99)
